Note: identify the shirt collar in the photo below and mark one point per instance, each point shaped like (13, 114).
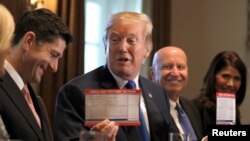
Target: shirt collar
(173, 103)
(14, 74)
(121, 82)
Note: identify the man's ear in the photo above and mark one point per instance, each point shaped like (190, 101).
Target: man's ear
(147, 53)
(28, 39)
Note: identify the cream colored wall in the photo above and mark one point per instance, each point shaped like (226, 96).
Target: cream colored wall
(206, 27)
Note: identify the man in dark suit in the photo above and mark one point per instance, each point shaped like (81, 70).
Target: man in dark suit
(128, 43)
(40, 38)
(170, 69)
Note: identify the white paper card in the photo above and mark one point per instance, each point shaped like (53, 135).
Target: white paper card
(120, 105)
(225, 109)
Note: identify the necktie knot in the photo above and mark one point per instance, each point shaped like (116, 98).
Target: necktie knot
(179, 109)
(25, 91)
(131, 84)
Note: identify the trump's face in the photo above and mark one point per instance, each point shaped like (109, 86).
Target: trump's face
(126, 50)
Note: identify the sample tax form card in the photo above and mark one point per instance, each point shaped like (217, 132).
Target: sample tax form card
(225, 109)
(119, 105)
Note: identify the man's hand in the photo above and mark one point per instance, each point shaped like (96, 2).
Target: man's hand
(107, 128)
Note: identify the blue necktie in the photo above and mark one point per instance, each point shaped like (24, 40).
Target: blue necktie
(144, 135)
(185, 123)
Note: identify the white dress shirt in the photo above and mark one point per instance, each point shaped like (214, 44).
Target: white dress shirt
(14, 75)
(174, 114)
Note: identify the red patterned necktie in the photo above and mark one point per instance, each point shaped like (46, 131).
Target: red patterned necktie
(28, 99)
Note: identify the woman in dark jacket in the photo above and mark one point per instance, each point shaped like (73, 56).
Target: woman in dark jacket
(227, 73)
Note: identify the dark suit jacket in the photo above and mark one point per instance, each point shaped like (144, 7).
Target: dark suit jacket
(17, 116)
(194, 117)
(69, 114)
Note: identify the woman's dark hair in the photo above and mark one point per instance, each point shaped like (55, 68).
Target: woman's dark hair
(222, 60)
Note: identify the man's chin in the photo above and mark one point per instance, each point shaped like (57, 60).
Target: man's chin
(174, 90)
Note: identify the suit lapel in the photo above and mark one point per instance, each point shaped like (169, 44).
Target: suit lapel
(38, 108)
(107, 81)
(44, 120)
(175, 129)
(188, 109)
(17, 98)
(149, 104)
(159, 101)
